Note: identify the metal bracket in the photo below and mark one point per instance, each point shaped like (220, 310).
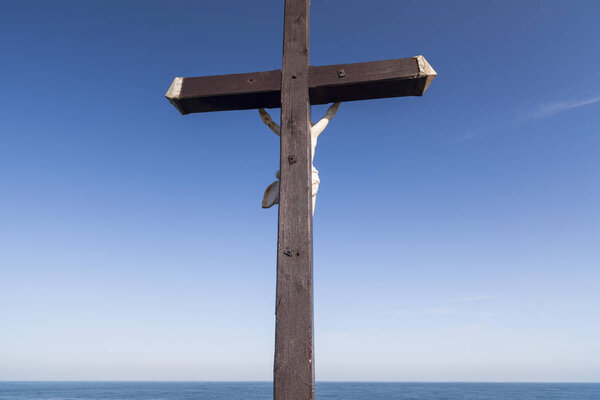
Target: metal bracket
(292, 253)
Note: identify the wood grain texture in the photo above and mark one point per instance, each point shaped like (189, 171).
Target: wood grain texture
(364, 81)
(293, 367)
(228, 92)
(328, 84)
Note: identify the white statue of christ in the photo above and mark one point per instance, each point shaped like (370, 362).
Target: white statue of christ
(271, 196)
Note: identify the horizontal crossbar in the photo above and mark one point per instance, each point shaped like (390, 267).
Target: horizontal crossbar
(327, 84)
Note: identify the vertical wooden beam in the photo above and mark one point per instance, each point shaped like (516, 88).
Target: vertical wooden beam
(293, 369)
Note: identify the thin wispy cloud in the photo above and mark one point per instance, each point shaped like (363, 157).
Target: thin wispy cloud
(472, 298)
(424, 311)
(400, 312)
(440, 311)
(475, 327)
(550, 109)
(337, 335)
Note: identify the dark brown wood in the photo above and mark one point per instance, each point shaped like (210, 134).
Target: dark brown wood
(328, 84)
(293, 367)
(365, 81)
(228, 92)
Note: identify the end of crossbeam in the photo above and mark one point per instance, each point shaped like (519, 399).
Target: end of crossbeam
(425, 71)
(174, 94)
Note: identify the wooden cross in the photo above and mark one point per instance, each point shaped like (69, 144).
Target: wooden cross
(294, 88)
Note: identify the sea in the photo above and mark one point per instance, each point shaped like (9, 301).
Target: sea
(324, 391)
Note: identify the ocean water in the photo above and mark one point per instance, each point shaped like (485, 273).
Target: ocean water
(324, 391)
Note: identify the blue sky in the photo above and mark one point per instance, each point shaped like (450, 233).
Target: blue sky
(455, 235)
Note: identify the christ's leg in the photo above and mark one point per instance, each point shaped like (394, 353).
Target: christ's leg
(315, 187)
(271, 196)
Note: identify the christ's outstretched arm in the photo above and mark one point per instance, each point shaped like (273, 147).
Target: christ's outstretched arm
(320, 126)
(266, 118)
(271, 196)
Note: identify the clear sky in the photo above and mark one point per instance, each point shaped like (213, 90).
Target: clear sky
(456, 235)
